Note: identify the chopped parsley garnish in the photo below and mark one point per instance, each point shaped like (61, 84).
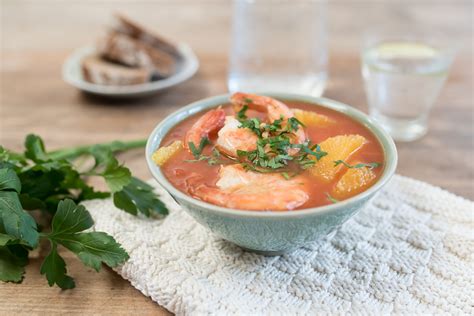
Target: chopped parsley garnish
(288, 176)
(252, 124)
(293, 124)
(241, 114)
(250, 167)
(197, 151)
(275, 126)
(272, 151)
(212, 160)
(370, 165)
(331, 199)
(313, 150)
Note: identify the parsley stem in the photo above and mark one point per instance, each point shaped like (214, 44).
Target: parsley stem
(115, 146)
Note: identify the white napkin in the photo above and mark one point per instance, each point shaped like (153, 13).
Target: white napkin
(410, 251)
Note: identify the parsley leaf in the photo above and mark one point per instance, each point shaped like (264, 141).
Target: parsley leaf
(13, 257)
(241, 114)
(9, 180)
(293, 124)
(12, 263)
(49, 182)
(288, 176)
(35, 148)
(211, 160)
(370, 165)
(331, 199)
(6, 239)
(9, 159)
(70, 218)
(197, 151)
(55, 270)
(252, 124)
(92, 248)
(250, 167)
(313, 150)
(117, 177)
(139, 196)
(16, 222)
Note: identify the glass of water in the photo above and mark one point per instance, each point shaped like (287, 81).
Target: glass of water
(403, 78)
(279, 46)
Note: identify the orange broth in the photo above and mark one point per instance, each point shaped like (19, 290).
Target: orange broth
(177, 170)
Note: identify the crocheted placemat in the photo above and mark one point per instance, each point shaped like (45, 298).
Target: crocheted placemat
(410, 251)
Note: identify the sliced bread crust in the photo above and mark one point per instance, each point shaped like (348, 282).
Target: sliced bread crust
(99, 71)
(136, 31)
(121, 48)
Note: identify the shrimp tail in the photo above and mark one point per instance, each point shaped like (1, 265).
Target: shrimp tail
(274, 108)
(210, 122)
(209, 194)
(253, 101)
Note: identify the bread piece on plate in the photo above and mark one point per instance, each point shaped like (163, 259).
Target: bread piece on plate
(126, 50)
(100, 71)
(126, 26)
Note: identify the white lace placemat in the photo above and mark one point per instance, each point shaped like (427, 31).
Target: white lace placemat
(411, 251)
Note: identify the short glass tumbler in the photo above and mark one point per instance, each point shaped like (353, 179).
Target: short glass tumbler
(403, 79)
(279, 46)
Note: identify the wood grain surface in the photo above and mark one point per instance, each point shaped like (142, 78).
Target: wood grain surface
(38, 36)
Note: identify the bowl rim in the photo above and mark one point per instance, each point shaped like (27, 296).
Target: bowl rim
(386, 141)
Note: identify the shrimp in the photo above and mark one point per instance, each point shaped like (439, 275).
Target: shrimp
(241, 189)
(210, 122)
(274, 109)
(232, 137)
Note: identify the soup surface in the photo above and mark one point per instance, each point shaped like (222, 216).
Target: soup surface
(258, 153)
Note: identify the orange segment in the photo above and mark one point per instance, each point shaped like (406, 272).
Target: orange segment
(164, 153)
(353, 182)
(339, 147)
(310, 118)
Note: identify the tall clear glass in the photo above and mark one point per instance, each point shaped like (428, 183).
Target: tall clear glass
(279, 46)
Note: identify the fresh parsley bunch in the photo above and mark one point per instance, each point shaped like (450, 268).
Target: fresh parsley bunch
(53, 183)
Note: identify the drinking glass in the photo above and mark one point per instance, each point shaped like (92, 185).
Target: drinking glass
(403, 77)
(279, 46)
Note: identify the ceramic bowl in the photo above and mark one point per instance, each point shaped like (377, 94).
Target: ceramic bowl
(272, 232)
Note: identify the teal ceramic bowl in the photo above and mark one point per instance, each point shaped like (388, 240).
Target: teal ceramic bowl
(272, 232)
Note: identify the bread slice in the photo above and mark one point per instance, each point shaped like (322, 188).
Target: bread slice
(126, 50)
(100, 71)
(138, 32)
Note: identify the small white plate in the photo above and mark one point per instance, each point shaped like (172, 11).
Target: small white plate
(72, 74)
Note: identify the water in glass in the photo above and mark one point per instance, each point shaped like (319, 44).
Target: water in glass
(402, 81)
(278, 46)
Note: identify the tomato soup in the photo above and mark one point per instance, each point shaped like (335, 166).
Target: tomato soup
(263, 154)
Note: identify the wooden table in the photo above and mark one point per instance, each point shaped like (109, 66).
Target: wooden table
(37, 37)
